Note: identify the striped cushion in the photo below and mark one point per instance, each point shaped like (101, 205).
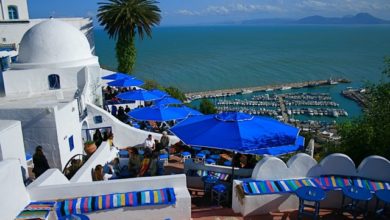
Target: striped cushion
(32, 214)
(102, 202)
(202, 173)
(40, 206)
(294, 184)
(332, 182)
(260, 187)
(371, 185)
(221, 176)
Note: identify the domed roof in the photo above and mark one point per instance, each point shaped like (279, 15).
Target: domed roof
(53, 41)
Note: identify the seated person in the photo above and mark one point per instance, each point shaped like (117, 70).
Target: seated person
(150, 143)
(153, 167)
(134, 162)
(99, 175)
(145, 164)
(116, 167)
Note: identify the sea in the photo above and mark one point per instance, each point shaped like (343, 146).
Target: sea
(221, 57)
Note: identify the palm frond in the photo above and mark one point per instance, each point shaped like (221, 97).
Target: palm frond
(126, 18)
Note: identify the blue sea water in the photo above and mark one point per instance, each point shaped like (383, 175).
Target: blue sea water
(219, 57)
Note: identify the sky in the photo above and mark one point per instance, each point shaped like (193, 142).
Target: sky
(193, 12)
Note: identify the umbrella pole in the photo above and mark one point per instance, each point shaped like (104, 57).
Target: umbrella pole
(234, 156)
(231, 193)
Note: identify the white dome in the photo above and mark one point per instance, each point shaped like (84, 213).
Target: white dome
(51, 42)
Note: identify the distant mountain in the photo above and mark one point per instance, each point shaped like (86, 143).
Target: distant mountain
(268, 21)
(361, 18)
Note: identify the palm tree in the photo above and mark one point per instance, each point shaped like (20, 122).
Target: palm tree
(123, 20)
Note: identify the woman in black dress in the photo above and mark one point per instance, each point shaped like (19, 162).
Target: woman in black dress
(40, 162)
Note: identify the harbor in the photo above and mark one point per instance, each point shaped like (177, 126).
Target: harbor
(267, 88)
(284, 106)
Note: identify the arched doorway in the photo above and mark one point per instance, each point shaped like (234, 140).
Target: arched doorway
(85, 135)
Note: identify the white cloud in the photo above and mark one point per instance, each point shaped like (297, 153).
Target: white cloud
(291, 7)
(255, 8)
(187, 12)
(221, 10)
(232, 8)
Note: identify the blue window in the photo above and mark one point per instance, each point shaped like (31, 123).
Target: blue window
(13, 12)
(54, 81)
(98, 119)
(71, 143)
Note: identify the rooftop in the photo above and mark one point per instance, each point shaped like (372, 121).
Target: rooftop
(38, 101)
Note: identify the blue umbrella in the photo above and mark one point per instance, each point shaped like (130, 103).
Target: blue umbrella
(116, 76)
(142, 95)
(168, 101)
(191, 111)
(239, 132)
(158, 113)
(126, 82)
(159, 92)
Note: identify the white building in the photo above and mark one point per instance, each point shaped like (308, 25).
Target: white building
(11, 10)
(47, 88)
(15, 21)
(49, 95)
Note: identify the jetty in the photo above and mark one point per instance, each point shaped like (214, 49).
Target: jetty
(234, 91)
(357, 95)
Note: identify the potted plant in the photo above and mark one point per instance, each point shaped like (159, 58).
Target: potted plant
(89, 147)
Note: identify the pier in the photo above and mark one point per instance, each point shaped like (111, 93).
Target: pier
(356, 95)
(235, 91)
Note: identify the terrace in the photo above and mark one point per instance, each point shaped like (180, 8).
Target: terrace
(191, 201)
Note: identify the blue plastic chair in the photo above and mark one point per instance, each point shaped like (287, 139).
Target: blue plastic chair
(185, 156)
(210, 161)
(228, 163)
(200, 157)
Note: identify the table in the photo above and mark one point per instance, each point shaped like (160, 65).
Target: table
(384, 196)
(356, 194)
(311, 194)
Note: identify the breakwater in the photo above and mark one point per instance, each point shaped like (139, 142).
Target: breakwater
(234, 91)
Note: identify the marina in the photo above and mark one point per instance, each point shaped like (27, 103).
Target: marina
(284, 105)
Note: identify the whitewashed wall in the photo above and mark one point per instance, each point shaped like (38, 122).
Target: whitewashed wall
(11, 142)
(68, 124)
(39, 128)
(180, 211)
(14, 196)
(301, 166)
(49, 177)
(102, 155)
(124, 135)
(35, 81)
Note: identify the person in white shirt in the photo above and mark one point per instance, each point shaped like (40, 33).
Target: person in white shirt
(150, 143)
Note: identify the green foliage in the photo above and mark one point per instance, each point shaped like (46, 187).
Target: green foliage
(152, 84)
(123, 20)
(370, 133)
(125, 54)
(175, 93)
(172, 91)
(207, 107)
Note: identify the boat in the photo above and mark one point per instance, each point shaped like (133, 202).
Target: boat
(246, 91)
(332, 82)
(285, 88)
(269, 90)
